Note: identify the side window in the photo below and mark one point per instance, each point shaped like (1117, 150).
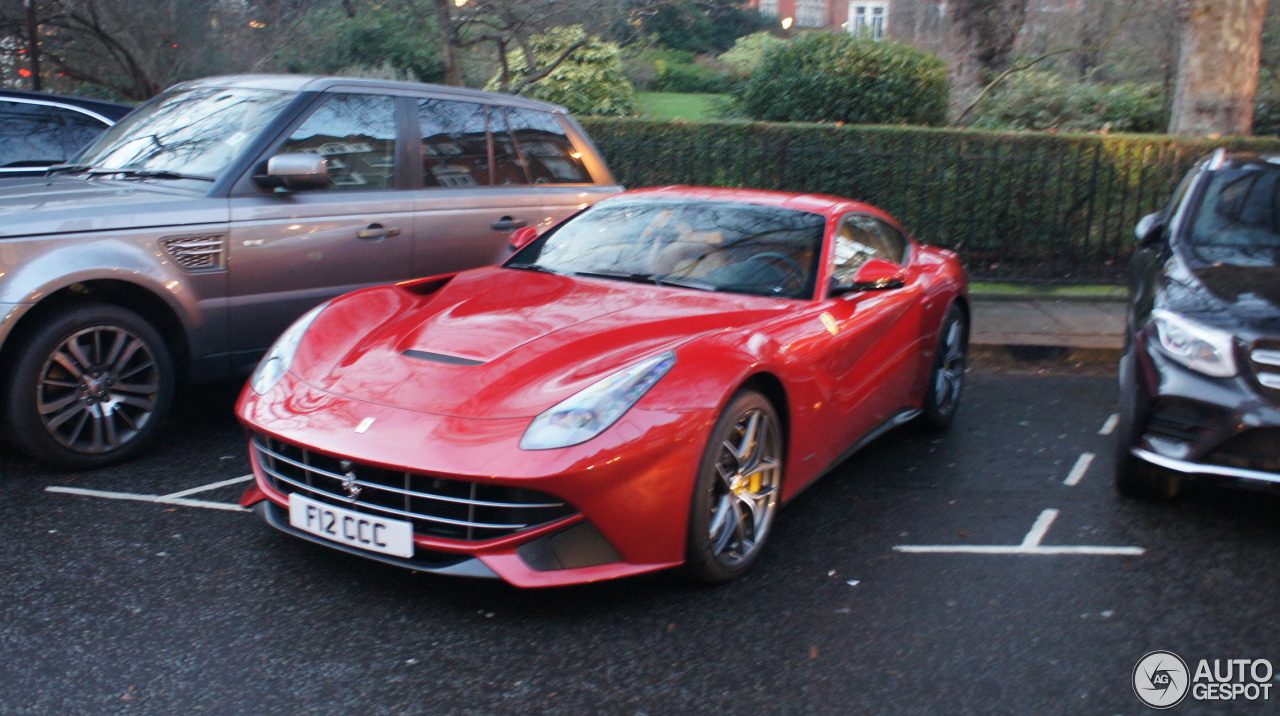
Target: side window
(862, 238)
(508, 167)
(547, 151)
(455, 143)
(356, 133)
(80, 130)
(30, 135)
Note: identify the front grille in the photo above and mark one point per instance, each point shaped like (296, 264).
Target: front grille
(197, 253)
(1264, 357)
(437, 507)
(1257, 449)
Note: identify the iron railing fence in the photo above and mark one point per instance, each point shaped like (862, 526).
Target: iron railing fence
(1018, 207)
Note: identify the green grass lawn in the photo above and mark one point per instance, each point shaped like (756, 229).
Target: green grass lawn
(673, 105)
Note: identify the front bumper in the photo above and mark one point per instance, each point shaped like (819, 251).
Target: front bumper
(628, 490)
(1218, 429)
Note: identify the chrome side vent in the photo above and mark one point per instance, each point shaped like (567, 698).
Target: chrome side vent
(198, 254)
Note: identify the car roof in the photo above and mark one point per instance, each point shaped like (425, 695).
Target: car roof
(1223, 159)
(825, 204)
(319, 83)
(108, 110)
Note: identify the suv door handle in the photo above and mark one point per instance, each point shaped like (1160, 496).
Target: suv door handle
(377, 231)
(507, 223)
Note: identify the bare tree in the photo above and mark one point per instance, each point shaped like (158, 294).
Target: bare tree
(1218, 66)
(980, 39)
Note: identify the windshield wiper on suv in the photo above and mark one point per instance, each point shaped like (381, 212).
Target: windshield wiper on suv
(654, 278)
(149, 174)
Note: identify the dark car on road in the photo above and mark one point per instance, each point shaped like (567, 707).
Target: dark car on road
(39, 130)
(186, 238)
(1200, 375)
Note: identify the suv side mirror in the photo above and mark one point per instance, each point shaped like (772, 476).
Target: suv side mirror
(1150, 230)
(522, 237)
(295, 171)
(874, 275)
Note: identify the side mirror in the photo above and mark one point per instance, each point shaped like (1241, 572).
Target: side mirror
(522, 237)
(1150, 230)
(295, 171)
(874, 275)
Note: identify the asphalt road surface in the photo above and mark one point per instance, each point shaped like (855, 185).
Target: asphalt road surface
(988, 570)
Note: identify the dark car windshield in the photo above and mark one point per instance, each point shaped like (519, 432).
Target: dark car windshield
(709, 245)
(1238, 218)
(195, 132)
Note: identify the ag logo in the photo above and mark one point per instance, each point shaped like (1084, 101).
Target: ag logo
(1161, 679)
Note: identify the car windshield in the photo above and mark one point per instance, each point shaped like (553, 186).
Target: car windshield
(192, 133)
(1238, 220)
(707, 245)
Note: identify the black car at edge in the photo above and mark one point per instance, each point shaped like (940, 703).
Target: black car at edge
(1200, 375)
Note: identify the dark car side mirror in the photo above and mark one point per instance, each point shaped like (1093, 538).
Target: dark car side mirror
(295, 171)
(1150, 230)
(874, 275)
(522, 237)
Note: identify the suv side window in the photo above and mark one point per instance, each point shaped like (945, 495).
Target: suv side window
(30, 135)
(356, 133)
(549, 155)
(862, 238)
(455, 143)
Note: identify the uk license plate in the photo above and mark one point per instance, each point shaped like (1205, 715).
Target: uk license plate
(358, 529)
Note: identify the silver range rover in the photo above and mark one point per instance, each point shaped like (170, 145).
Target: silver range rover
(184, 240)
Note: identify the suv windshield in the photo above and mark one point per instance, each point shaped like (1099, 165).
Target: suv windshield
(1238, 220)
(195, 132)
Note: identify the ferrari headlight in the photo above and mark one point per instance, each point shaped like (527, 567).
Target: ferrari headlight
(592, 410)
(278, 359)
(1199, 347)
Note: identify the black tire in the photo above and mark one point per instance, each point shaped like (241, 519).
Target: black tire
(1134, 477)
(90, 386)
(946, 375)
(735, 498)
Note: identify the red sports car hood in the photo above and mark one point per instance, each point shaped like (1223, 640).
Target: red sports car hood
(505, 343)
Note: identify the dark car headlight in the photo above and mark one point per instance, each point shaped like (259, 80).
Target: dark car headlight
(1201, 348)
(593, 409)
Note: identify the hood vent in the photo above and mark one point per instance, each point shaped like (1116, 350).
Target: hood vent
(197, 254)
(441, 358)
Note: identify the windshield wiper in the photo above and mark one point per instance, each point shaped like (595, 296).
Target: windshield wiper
(534, 267)
(149, 174)
(58, 168)
(654, 278)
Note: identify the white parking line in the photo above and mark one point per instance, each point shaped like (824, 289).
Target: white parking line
(1030, 544)
(1109, 426)
(213, 486)
(157, 499)
(1077, 472)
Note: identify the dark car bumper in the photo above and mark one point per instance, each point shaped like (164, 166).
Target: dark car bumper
(1203, 427)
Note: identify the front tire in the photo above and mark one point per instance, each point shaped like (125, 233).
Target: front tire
(736, 496)
(946, 376)
(1136, 478)
(90, 387)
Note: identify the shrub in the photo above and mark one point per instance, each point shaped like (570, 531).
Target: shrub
(748, 52)
(589, 81)
(1047, 100)
(678, 71)
(839, 78)
(1266, 113)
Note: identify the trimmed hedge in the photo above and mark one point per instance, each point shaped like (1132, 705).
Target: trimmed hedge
(1018, 206)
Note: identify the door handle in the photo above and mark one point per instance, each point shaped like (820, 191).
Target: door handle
(507, 223)
(378, 231)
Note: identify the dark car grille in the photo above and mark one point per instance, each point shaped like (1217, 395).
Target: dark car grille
(437, 507)
(1264, 357)
(1257, 449)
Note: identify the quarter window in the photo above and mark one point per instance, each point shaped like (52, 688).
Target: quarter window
(356, 134)
(548, 153)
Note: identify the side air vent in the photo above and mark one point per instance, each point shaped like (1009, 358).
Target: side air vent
(198, 254)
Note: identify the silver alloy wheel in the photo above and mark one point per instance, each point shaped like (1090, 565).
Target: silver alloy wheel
(98, 389)
(949, 378)
(744, 498)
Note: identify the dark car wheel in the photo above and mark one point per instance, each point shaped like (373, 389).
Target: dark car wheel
(1134, 477)
(736, 496)
(946, 376)
(92, 384)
